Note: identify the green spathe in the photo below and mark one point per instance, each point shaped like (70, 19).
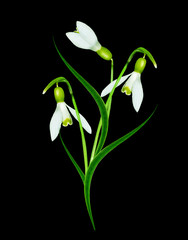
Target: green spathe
(59, 94)
(105, 53)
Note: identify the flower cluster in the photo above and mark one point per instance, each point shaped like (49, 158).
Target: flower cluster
(85, 38)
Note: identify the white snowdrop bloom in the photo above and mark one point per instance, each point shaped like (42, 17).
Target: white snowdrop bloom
(132, 84)
(62, 116)
(84, 37)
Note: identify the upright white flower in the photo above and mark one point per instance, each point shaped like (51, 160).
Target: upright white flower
(132, 85)
(62, 116)
(84, 37)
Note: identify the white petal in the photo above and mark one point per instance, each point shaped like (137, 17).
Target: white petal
(55, 123)
(77, 40)
(137, 94)
(88, 35)
(131, 80)
(110, 86)
(67, 120)
(84, 122)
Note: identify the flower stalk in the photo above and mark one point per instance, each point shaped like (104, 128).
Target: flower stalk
(108, 107)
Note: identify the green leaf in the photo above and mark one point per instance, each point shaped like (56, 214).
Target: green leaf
(73, 161)
(98, 159)
(96, 97)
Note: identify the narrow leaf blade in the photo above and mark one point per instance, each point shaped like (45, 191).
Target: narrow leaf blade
(73, 161)
(98, 159)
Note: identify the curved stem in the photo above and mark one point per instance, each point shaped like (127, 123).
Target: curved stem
(111, 79)
(109, 100)
(82, 134)
(108, 107)
(96, 140)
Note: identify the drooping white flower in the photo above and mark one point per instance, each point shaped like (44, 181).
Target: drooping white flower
(62, 116)
(84, 37)
(132, 84)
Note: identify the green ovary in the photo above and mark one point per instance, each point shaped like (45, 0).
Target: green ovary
(104, 53)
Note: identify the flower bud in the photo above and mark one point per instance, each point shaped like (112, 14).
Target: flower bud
(59, 94)
(104, 53)
(140, 65)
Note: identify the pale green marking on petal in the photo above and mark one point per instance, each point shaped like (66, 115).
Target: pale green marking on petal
(67, 122)
(126, 89)
(76, 31)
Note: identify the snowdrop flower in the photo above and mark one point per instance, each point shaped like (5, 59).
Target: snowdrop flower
(132, 85)
(84, 37)
(62, 116)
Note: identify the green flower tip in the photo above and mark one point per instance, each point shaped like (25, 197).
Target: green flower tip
(104, 53)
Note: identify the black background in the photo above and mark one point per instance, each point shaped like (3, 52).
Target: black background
(129, 187)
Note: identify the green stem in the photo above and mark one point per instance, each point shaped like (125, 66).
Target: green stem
(108, 107)
(96, 140)
(112, 70)
(111, 79)
(109, 100)
(82, 134)
(108, 103)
